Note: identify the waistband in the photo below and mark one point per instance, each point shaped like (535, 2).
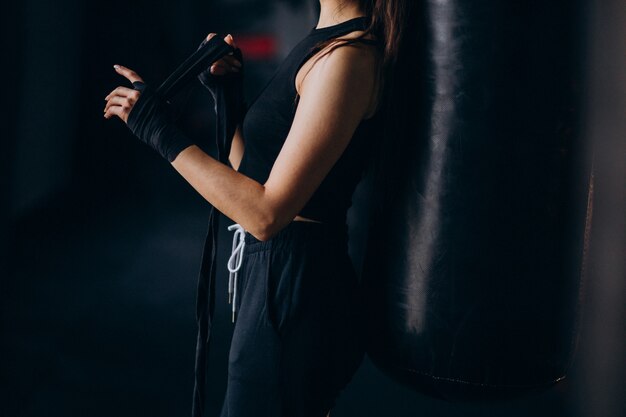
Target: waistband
(297, 229)
(330, 235)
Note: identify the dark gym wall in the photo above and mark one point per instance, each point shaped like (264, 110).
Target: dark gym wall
(49, 91)
(10, 30)
(65, 51)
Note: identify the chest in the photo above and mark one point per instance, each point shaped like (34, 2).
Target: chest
(271, 112)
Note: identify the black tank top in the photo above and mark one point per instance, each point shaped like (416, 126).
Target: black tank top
(269, 118)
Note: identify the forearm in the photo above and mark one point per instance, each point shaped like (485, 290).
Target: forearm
(237, 196)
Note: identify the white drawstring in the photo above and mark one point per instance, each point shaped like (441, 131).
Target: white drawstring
(236, 257)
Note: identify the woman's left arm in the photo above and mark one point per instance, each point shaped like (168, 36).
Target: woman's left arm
(334, 97)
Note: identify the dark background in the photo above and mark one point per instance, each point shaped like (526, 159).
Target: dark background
(101, 239)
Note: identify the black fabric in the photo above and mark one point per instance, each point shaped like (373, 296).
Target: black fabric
(269, 119)
(231, 86)
(298, 333)
(227, 92)
(197, 63)
(152, 123)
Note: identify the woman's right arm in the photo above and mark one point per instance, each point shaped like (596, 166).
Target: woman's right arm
(236, 150)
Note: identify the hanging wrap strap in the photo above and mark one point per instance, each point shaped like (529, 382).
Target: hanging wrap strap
(229, 110)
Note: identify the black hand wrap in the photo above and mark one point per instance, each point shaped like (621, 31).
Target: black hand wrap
(152, 123)
(228, 97)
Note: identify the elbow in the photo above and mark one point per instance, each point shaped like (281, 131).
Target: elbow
(271, 217)
(262, 236)
(263, 232)
(264, 228)
(269, 224)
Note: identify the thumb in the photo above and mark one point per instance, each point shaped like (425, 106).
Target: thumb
(131, 75)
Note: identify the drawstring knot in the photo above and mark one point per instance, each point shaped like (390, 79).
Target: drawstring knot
(234, 263)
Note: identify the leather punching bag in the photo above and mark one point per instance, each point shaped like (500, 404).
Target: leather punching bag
(472, 270)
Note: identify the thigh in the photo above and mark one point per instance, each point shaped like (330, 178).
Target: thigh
(253, 361)
(319, 324)
(298, 336)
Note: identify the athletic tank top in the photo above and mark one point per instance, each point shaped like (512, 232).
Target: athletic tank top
(269, 118)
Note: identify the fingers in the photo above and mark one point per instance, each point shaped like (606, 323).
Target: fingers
(124, 92)
(126, 103)
(128, 73)
(118, 111)
(229, 40)
(232, 61)
(222, 66)
(120, 102)
(227, 63)
(219, 69)
(230, 58)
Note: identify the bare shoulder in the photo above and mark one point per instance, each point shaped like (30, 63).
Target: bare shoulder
(357, 55)
(344, 66)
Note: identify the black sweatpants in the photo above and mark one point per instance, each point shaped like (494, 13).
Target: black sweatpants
(298, 336)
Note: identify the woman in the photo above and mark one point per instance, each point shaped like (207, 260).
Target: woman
(309, 136)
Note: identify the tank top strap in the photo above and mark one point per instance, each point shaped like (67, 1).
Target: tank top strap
(356, 23)
(329, 32)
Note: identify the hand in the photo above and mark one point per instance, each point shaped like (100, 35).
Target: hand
(146, 116)
(228, 63)
(121, 100)
(224, 81)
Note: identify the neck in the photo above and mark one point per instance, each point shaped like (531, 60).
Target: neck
(333, 12)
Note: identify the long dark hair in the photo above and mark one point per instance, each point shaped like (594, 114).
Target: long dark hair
(389, 21)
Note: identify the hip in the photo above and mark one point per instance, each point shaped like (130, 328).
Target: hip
(311, 237)
(304, 269)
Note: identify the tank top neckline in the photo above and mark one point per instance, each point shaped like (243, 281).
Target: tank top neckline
(341, 25)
